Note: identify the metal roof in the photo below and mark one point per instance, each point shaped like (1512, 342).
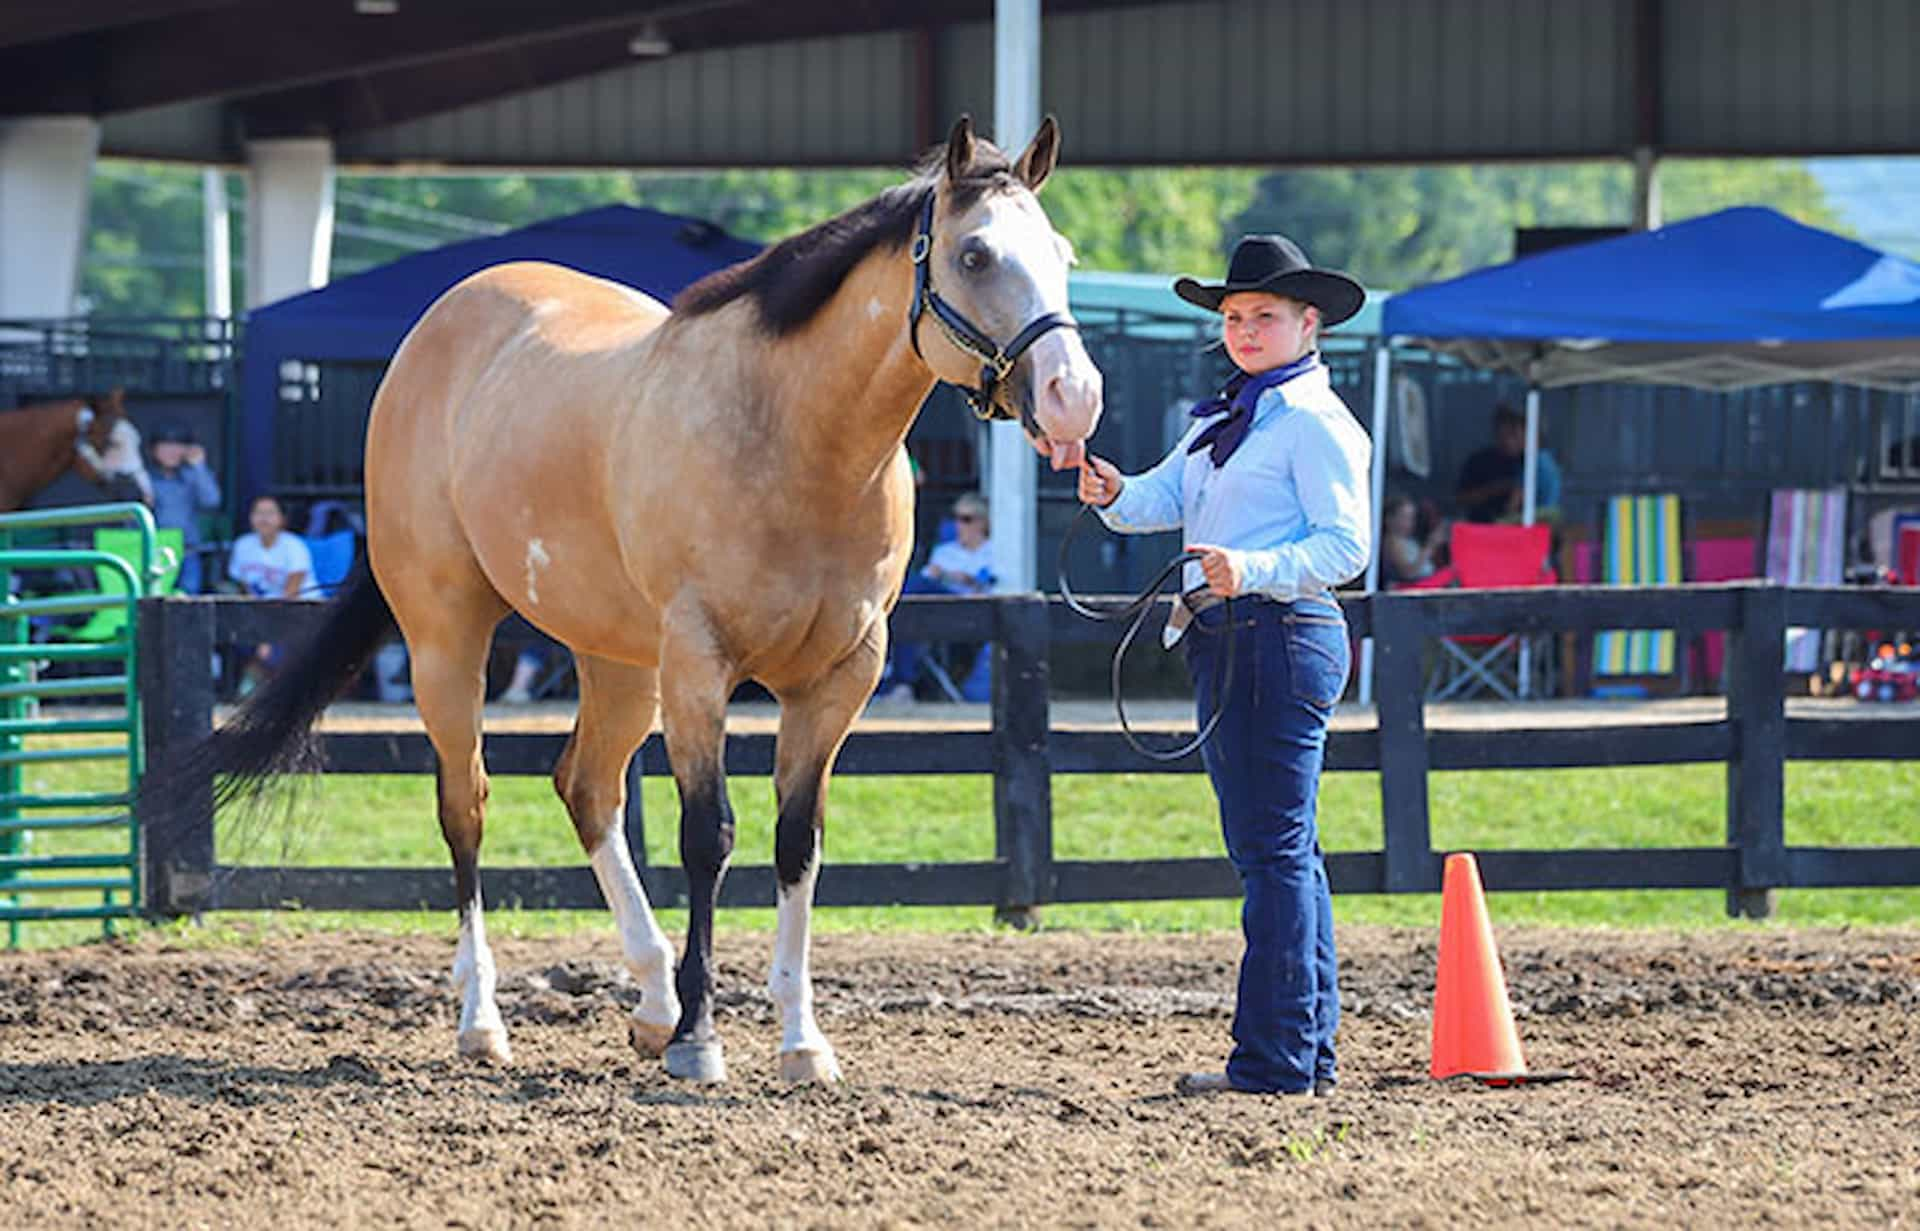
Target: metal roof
(872, 82)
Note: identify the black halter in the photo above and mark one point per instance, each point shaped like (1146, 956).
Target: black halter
(995, 364)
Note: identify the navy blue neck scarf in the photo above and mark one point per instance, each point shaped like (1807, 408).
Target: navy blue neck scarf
(1237, 401)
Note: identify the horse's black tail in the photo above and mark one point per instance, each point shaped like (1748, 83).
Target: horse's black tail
(271, 733)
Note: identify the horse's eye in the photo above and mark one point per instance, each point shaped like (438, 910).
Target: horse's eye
(973, 260)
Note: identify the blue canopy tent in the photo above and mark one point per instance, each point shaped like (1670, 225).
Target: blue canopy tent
(366, 315)
(1728, 301)
(1731, 300)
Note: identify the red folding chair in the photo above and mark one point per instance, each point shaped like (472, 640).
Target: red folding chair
(1486, 557)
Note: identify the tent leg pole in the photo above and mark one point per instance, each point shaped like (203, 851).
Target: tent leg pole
(1382, 379)
(1527, 513)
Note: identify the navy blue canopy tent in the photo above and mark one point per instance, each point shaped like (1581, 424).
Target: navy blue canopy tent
(1731, 300)
(366, 315)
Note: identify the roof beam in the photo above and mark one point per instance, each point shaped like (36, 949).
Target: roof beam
(366, 100)
(249, 50)
(38, 21)
(374, 99)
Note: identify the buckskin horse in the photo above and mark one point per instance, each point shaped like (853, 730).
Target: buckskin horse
(91, 436)
(686, 500)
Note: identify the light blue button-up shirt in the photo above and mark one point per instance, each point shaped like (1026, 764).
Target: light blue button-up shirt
(1291, 503)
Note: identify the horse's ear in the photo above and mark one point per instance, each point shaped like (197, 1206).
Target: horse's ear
(1042, 152)
(960, 148)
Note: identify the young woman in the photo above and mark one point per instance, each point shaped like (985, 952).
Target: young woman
(1270, 485)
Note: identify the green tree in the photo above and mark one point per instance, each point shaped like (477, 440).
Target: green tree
(1395, 227)
(143, 249)
(1155, 219)
(1392, 227)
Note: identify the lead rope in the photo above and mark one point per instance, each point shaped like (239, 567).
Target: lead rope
(1135, 612)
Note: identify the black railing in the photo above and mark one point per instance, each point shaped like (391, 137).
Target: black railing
(1023, 752)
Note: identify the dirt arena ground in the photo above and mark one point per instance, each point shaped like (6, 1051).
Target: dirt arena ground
(993, 1080)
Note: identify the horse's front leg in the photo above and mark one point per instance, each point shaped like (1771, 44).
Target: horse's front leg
(696, 681)
(813, 724)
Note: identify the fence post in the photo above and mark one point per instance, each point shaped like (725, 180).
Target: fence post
(1022, 769)
(1756, 777)
(1399, 634)
(176, 692)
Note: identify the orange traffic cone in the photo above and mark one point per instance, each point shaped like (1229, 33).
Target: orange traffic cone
(1472, 1021)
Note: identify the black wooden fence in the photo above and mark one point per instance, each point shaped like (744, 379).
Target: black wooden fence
(1023, 752)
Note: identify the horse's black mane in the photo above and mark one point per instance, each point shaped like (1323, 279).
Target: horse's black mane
(794, 279)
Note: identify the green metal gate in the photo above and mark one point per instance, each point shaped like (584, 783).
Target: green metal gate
(61, 845)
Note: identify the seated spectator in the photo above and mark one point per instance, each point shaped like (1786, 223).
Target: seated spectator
(1490, 482)
(1406, 557)
(962, 565)
(183, 488)
(270, 562)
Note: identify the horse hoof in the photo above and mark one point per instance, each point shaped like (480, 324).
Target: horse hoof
(811, 1065)
(700, 1062)
(650, 1039)
(487, 1044)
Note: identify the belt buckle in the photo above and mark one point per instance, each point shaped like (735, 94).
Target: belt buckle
(1199, 599)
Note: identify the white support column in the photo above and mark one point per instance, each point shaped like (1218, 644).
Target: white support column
(1382, 391)
(216, 243)
(1013, 476)
(46, 172)
(289, 217)
(1646, 190)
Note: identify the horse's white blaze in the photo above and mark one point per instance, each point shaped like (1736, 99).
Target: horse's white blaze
(1034, 258)
(791, 979)
(648, 952)
(537, 559)
(475, 977)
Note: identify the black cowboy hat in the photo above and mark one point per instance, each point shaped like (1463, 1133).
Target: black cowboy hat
(174, 434)
(1275, 264)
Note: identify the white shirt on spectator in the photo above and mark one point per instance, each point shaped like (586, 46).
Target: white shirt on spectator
(263, 571)
(955, 561)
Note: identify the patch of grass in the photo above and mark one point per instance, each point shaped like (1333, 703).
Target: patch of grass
(389, 820)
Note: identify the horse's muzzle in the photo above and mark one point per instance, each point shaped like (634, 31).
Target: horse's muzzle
(1065, 392)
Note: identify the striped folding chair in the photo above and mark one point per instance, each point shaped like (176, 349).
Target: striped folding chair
(1640, 546)
(1806, 546)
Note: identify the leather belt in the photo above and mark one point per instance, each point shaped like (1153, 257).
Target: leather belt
(1200, 599)
(1192, 603)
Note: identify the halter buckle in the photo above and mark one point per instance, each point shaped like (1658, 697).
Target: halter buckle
(922, 248)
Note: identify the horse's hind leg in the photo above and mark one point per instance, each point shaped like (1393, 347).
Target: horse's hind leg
(617, 705)
(813, 724)
(448, 641)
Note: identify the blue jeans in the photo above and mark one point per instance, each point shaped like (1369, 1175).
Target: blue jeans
(1289, 666)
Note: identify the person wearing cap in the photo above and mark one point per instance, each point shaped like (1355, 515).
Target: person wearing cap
(1269, 485)
(183, 488)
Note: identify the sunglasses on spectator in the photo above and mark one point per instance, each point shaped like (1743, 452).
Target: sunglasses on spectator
(967, 517)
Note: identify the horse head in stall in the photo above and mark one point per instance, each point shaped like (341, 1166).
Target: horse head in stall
(686, 500)
(91, 436)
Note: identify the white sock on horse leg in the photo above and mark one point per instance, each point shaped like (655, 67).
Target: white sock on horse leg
(648, 953)
(791, 980)
(482, 1032)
